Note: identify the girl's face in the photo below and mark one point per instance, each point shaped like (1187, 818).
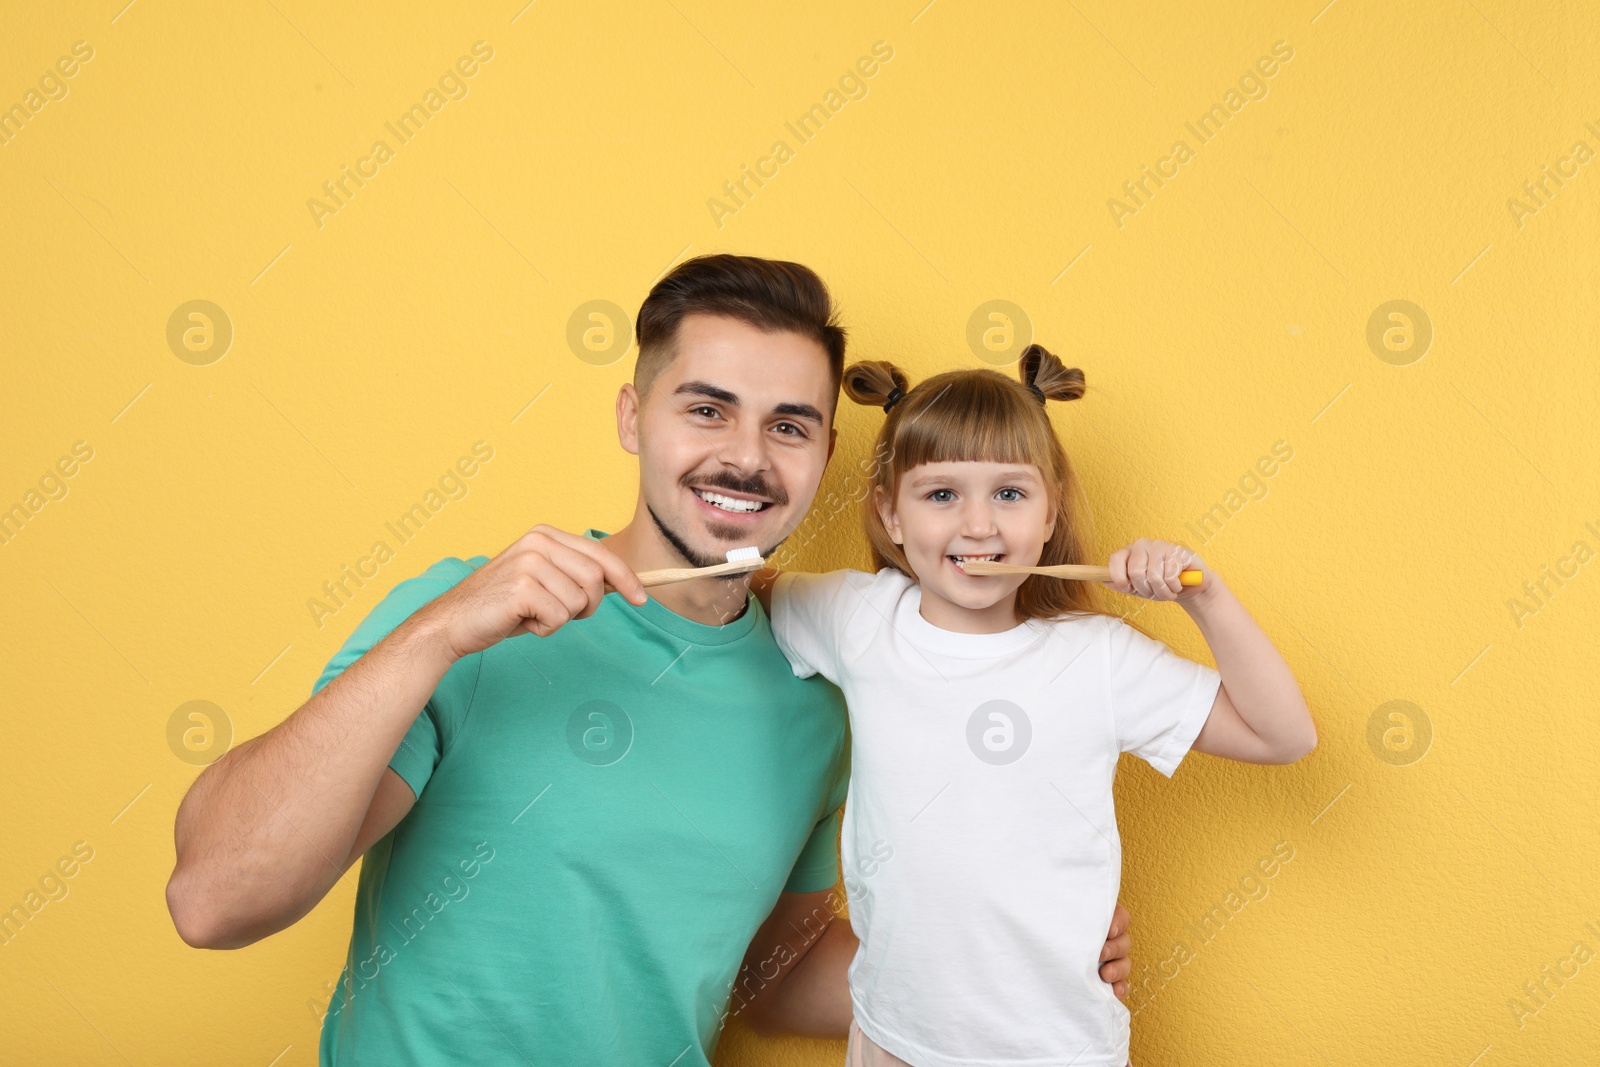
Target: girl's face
(944, 514)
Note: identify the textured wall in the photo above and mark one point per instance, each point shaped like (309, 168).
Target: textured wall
(1226, 287)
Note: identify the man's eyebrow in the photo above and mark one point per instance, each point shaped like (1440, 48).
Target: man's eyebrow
(706, 389)
(799, 411)
(715, 392)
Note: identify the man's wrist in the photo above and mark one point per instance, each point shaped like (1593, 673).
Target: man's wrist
(422, 638)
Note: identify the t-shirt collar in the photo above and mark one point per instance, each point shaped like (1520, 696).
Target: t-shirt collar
(909, 622)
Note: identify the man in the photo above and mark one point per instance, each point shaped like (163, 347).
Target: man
(578, 811)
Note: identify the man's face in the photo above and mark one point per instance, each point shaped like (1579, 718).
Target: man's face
(732, 438)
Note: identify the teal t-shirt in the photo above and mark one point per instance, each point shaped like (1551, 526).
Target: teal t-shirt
(603, 819)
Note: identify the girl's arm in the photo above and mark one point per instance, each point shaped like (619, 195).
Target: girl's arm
(1259, 715)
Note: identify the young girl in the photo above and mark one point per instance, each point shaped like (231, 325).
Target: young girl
(987, 714)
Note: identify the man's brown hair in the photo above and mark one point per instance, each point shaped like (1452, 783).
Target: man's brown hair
(770, 294)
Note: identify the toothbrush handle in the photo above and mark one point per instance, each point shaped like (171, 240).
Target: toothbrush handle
(1086, 572)
(668, 575)
(1102, 574)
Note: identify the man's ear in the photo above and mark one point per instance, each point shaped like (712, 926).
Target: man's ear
(628, 405)
(886, 513)
(833, 439)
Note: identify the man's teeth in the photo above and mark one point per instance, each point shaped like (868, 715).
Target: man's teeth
(728, 503)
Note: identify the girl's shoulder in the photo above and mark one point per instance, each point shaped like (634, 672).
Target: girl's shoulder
(835, 592)
(888, 578)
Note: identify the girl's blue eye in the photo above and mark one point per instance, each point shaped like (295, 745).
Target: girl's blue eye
(941, 496)
(1016, 495)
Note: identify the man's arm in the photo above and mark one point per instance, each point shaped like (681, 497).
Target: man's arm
(267, 830)
(793, 977)
(793, 980)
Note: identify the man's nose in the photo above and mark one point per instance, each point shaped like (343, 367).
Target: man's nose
(745, 448)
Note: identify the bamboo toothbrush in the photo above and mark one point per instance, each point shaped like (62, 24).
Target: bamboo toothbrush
(1082, 572)
(740, 560)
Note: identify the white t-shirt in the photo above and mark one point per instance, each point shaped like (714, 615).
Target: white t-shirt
(980, 848)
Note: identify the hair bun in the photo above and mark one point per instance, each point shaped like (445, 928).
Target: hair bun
(1048, 377)
(874, 381)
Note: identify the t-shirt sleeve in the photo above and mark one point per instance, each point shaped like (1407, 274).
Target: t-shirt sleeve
(1159, 699)
(440, 720)
(809, 612)
(817, 868)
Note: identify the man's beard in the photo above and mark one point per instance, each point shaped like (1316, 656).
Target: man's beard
(696, 559)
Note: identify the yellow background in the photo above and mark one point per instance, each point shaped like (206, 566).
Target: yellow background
(1229, 313)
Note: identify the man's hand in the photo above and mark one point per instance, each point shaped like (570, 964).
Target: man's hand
(1116, 963)
(543, 580)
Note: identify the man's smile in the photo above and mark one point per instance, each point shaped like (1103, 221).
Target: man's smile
(732, 503)
(726, 507)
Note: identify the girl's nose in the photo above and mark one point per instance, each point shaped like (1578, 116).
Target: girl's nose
(977, 520)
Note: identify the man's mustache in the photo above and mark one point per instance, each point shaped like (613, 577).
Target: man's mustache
(755, 485)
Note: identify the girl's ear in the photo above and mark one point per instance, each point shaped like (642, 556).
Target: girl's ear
(886, 514)
(1050, 523)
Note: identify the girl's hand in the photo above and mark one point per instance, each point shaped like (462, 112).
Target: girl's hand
(1149, 569)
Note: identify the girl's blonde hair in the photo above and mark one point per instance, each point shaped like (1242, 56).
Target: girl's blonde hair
(984, 416)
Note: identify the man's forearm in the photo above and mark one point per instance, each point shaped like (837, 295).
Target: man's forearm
(812, 999)
(267, 830)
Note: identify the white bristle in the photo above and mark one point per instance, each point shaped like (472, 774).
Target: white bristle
(739, 555)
